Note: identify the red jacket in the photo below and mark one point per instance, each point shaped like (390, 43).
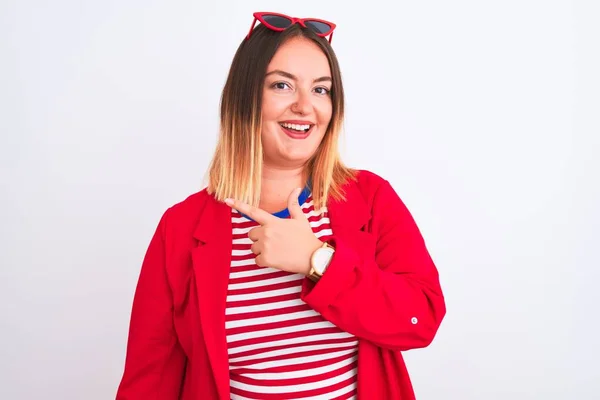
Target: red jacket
(381, 286)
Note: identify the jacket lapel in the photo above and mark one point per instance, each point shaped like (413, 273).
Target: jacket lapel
(212, 261)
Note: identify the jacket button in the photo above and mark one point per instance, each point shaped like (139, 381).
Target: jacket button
(414, 320)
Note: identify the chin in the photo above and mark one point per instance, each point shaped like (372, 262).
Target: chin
(296, 158)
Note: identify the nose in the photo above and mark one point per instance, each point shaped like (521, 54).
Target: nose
(303, 104)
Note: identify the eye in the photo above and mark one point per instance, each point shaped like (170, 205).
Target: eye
(280, 86)
(322, 90)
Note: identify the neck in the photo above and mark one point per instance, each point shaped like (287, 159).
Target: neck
(278, 183)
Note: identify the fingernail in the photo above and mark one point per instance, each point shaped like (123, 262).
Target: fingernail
(229, 201)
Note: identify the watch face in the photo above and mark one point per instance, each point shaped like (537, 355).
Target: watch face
(321, 259)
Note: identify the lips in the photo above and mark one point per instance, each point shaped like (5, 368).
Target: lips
(295, 134)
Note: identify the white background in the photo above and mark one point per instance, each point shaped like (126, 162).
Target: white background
(484, 115)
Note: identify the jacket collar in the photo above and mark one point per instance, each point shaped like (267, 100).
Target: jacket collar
(351, 213)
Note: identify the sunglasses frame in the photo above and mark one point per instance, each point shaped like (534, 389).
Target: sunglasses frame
(259, 16)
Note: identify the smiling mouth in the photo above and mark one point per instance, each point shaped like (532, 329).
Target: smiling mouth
(297, 131)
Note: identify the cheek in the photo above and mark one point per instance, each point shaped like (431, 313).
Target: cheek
(272, 107)
(324, 115)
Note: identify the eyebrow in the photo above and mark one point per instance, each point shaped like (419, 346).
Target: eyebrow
(293, 77)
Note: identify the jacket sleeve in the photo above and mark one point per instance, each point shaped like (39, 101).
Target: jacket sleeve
(155, 362)
(391, 298)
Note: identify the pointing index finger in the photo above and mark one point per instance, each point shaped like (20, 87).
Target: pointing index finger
(258, 215)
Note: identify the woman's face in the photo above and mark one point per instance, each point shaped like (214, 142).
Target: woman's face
(296, 106)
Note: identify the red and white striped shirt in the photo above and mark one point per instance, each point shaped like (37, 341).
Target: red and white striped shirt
(278, 347)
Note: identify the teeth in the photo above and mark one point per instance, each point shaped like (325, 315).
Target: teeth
(296, 127)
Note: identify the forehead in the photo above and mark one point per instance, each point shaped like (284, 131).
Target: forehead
(301, 57)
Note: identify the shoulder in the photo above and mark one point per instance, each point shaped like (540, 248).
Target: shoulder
(364, 195)
(184, 214)
(385, 206)
(370, 184)
(377, 192)
(191, 204)
(368, 178)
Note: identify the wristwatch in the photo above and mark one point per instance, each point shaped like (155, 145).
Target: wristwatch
(320, 261)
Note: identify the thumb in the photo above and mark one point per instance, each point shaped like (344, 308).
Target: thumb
(293, 206)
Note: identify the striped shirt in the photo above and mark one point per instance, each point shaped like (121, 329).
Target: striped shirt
(278, 347)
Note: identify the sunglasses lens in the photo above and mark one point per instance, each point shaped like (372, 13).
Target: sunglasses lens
(277, 21)
(318, 27)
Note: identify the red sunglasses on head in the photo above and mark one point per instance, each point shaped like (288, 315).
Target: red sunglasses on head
(280, 22)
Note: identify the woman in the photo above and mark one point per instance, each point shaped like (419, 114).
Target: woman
(291, 275)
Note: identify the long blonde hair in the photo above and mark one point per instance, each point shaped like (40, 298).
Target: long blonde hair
(236, 168)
